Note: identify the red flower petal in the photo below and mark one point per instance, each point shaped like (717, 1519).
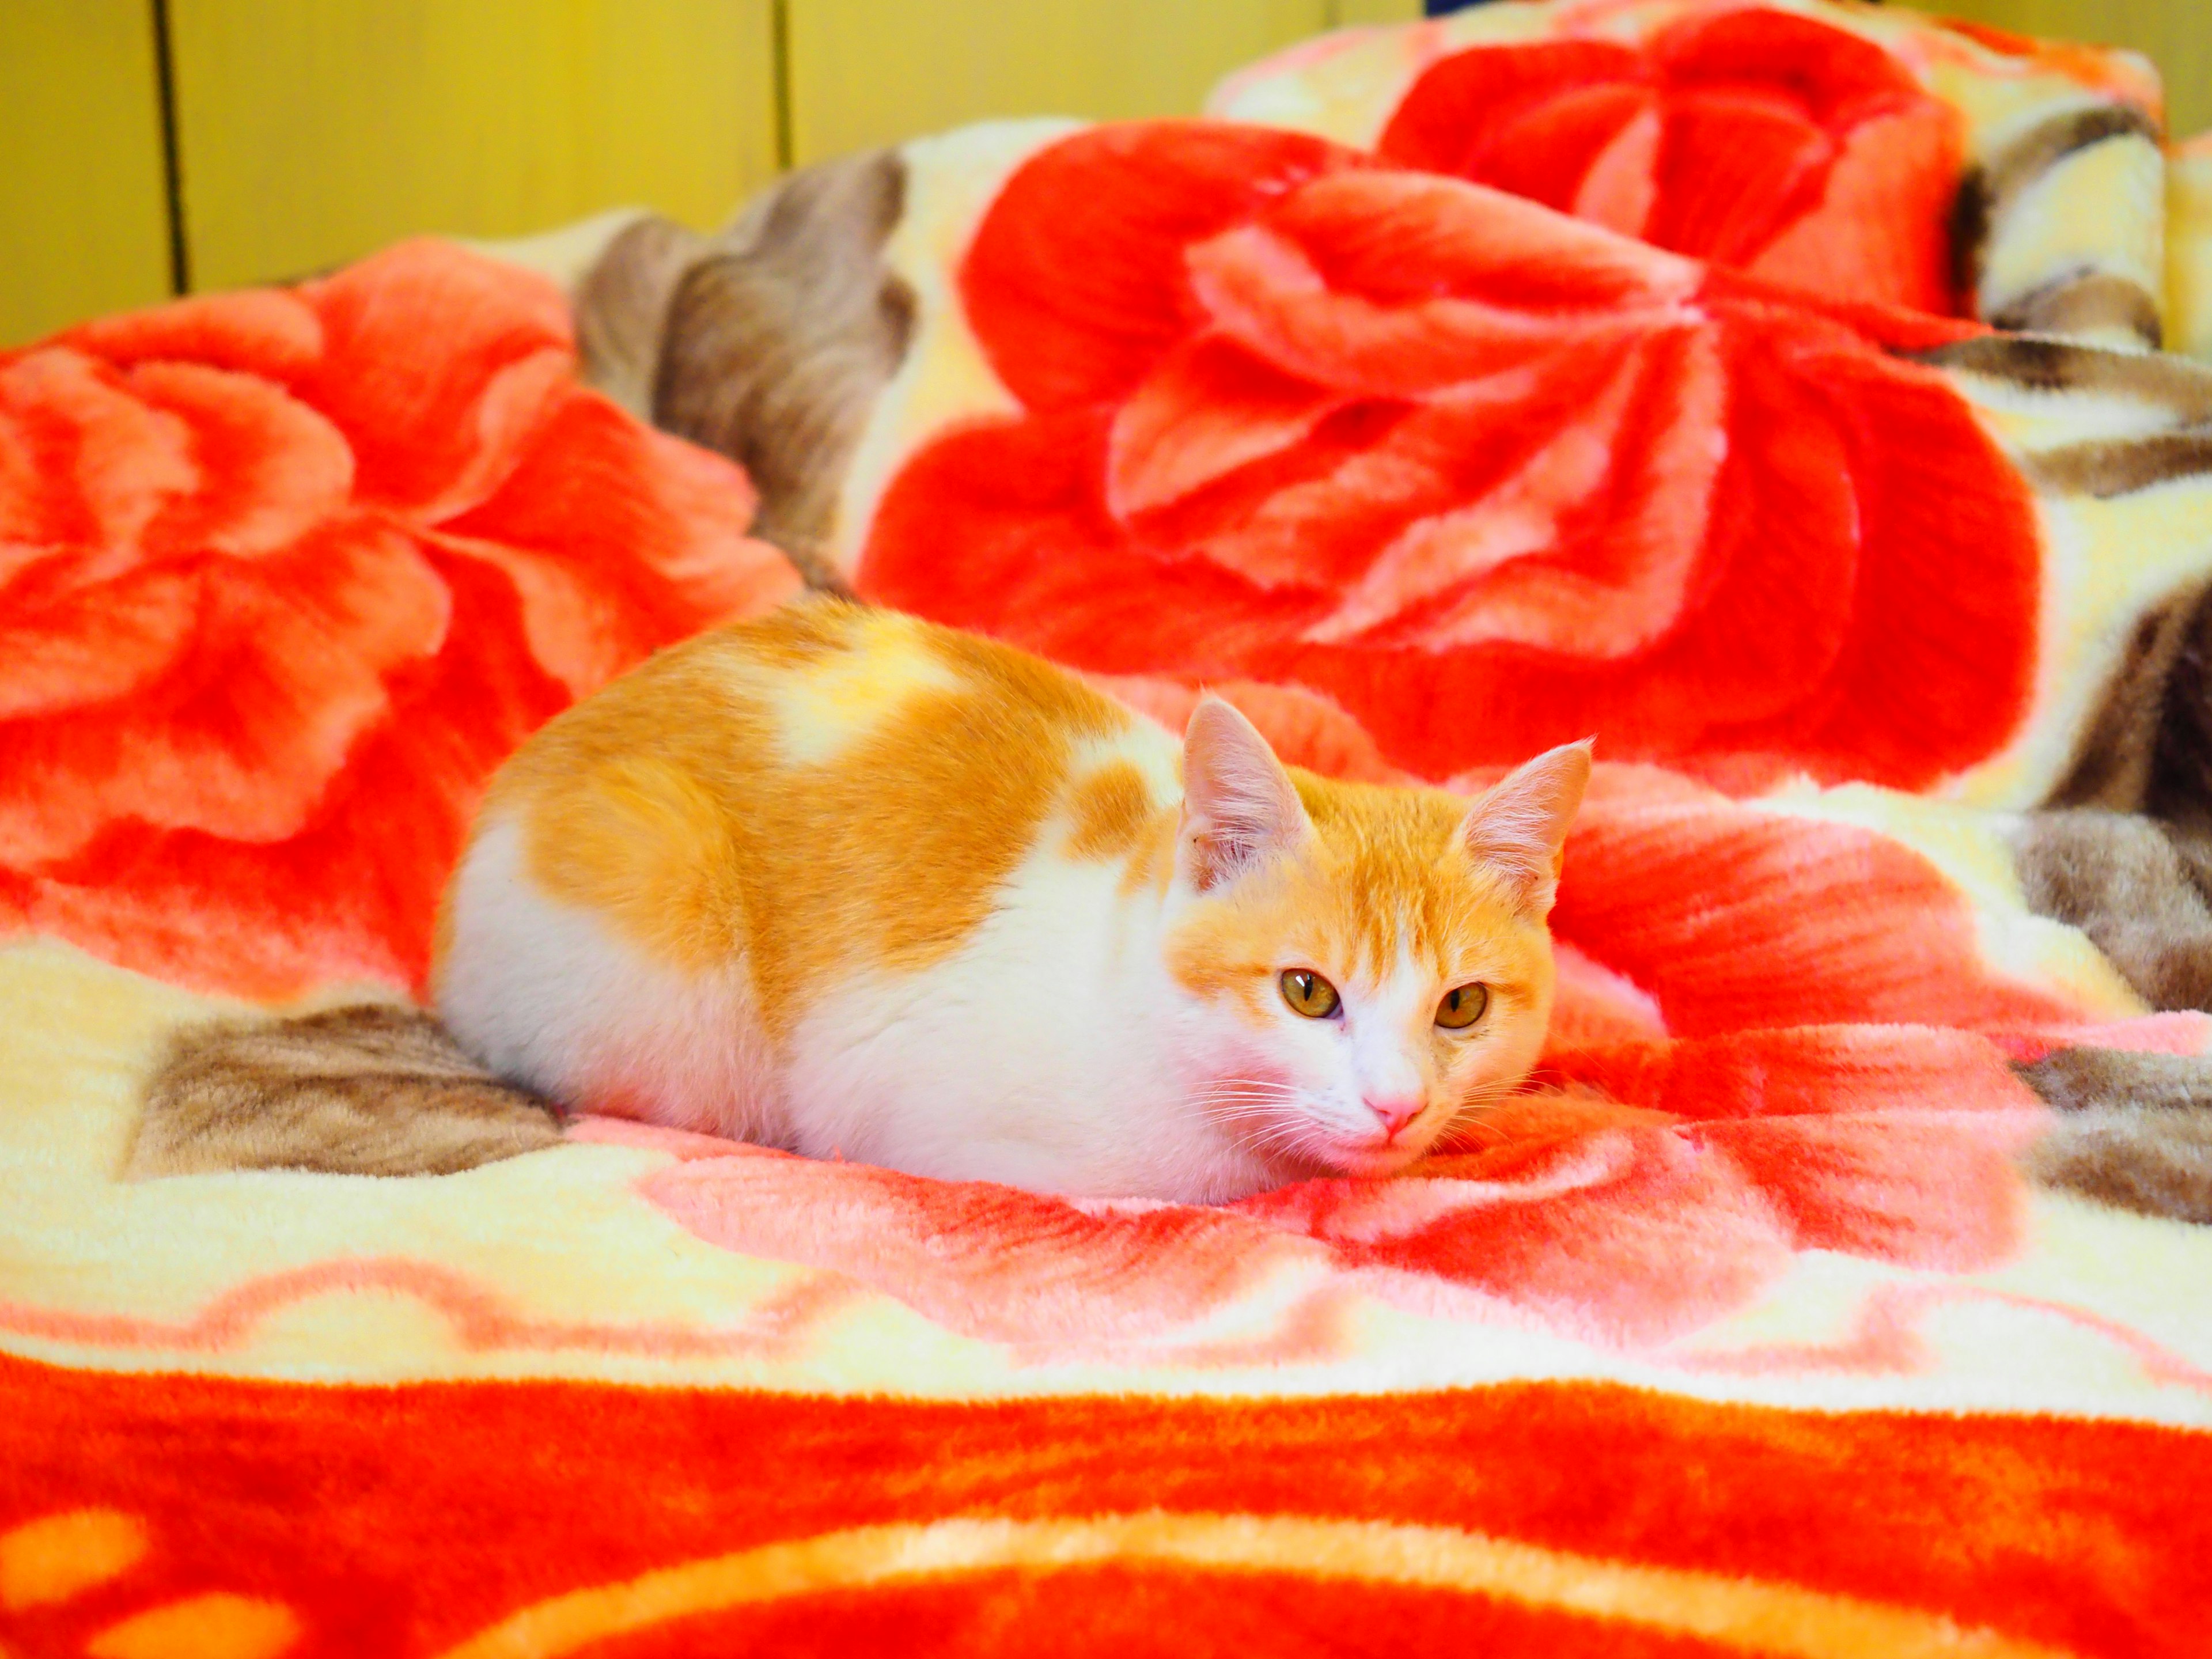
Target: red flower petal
(436, 424)
(93, 644)
(1932, 1191)
(1805, 1071)
(1617, 1235)
(618, 539)
(1605, 594)
(286, 669)
(83, 463)
(1621, 186)
(1539, 478)
(1835, 77)
(1486, 114)
(1085, 302)
(1404, 239)
(271, 332)
(1744, 134)
(269, 470)
(985, 1260)
(1210, 408)
(1733, 917)
(1896, 177)
(1946, 532)
(1734, 167)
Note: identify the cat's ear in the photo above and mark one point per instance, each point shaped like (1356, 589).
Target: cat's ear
(1239, 805)
(1520, 826)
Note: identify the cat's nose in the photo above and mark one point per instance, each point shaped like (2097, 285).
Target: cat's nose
(1394, 1114)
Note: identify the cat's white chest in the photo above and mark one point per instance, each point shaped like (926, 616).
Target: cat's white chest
(1046, 1052)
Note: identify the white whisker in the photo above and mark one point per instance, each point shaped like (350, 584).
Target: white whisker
(1265, 1116)
(1468, 1120)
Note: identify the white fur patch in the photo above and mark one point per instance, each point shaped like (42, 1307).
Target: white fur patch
(1051, 1052)
(546, 996)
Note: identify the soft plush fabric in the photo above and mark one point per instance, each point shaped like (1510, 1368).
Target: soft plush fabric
(286, 573)
(1485, 478)
(1871, 152)
(2188, 245)
(1743, 1333)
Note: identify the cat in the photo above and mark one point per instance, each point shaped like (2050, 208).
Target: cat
(845, 882)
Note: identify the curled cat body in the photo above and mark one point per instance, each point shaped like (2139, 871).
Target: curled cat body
(844, 883)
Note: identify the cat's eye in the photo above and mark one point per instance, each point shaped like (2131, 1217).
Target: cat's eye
(1462, 1007)
(1309, 994)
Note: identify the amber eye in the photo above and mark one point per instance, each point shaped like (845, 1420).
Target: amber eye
(1309, 994)
(1461, 1008)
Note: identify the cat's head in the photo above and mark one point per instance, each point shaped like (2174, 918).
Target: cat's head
(1359, 965)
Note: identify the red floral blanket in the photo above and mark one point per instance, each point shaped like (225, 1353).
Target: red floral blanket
(1770, 1321)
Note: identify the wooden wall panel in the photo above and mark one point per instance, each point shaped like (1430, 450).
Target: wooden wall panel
(872, 71)
(2175, 34)
(84, 222)
(1372, 11)
(314, 131)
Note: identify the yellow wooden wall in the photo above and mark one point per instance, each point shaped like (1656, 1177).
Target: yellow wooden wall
(872, 71)
(313, 131)
(866, 72)
(84, 220)
(308, 131)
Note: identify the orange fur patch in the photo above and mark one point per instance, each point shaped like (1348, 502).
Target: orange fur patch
(1112, 808)
(670, 804)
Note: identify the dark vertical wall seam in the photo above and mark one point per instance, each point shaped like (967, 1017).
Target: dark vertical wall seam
(173, 169)
(780, 67)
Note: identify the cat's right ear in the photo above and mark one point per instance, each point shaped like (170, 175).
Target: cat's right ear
(1239, 805)
(1518, 831)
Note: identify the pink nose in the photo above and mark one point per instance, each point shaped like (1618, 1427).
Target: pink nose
(1395, 1114)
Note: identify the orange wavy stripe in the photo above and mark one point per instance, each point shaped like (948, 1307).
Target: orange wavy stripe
(479, 1319)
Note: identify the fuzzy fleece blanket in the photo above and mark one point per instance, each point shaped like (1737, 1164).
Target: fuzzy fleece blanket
(1828, 1293)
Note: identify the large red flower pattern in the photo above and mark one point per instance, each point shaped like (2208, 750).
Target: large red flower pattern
(284, 574)
(1487, 478)
(1760, 139)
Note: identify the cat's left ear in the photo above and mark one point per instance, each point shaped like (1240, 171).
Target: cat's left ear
(1239, 805)
(1519, 829)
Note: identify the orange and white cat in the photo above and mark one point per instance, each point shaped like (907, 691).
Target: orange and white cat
(844, 883)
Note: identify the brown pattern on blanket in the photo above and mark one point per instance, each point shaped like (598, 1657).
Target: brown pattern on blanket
(370, 1089)
(1991, 196)
(769, 343)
